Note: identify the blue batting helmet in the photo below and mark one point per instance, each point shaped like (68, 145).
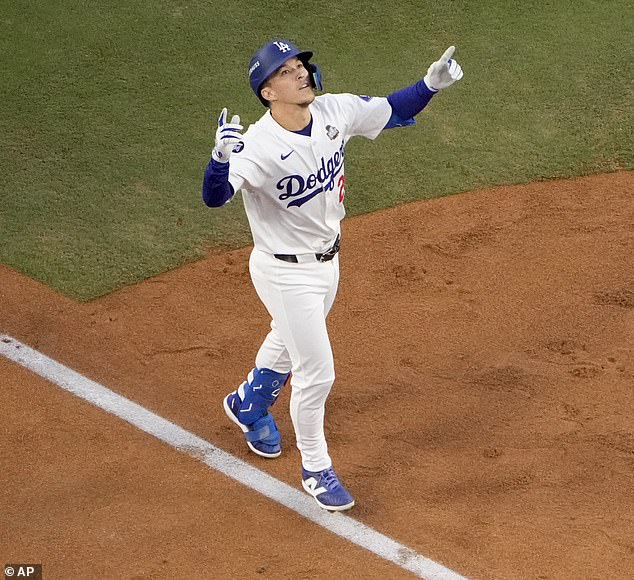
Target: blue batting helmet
(271, 57)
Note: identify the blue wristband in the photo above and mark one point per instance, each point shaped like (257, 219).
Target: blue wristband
(408, 102)
(216, 187)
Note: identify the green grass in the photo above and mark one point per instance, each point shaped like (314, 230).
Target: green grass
(109, 111)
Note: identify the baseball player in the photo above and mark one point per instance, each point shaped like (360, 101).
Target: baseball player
(289, 166)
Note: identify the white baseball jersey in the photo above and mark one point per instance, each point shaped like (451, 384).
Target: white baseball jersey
(293, 185)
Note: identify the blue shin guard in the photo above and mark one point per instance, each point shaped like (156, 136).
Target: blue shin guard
(248, 408)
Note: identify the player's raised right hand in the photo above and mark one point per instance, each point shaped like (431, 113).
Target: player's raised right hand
(444, 72)
(228, 137)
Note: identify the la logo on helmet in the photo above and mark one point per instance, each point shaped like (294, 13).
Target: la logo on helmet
(282, 46)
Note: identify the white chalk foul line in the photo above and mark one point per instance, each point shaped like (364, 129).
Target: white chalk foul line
(186, 442)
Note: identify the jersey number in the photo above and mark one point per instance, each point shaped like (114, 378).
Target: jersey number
(342, 188)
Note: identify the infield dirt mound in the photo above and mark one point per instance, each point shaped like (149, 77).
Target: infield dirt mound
(482, 413)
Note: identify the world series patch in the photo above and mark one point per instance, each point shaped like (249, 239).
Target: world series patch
(332, 132)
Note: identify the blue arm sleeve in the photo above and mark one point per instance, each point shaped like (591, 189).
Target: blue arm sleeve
(216, 187)
(408, 102)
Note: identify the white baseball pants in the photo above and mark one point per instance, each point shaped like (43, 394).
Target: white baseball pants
(298, 297)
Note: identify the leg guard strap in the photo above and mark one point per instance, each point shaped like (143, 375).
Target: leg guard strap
(264, 430)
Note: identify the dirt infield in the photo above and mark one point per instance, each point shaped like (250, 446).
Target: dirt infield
(482, 413)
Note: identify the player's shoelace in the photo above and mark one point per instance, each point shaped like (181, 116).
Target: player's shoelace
(330, 479)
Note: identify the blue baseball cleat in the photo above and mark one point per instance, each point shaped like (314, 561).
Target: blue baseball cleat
(262, 436)
(327, 490)
(248, 407)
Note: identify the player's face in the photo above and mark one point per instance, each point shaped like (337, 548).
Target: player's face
(289, 84)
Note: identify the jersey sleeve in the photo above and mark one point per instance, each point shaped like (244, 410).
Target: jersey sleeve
(363, 115)
(245, 172)
(236, 179)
